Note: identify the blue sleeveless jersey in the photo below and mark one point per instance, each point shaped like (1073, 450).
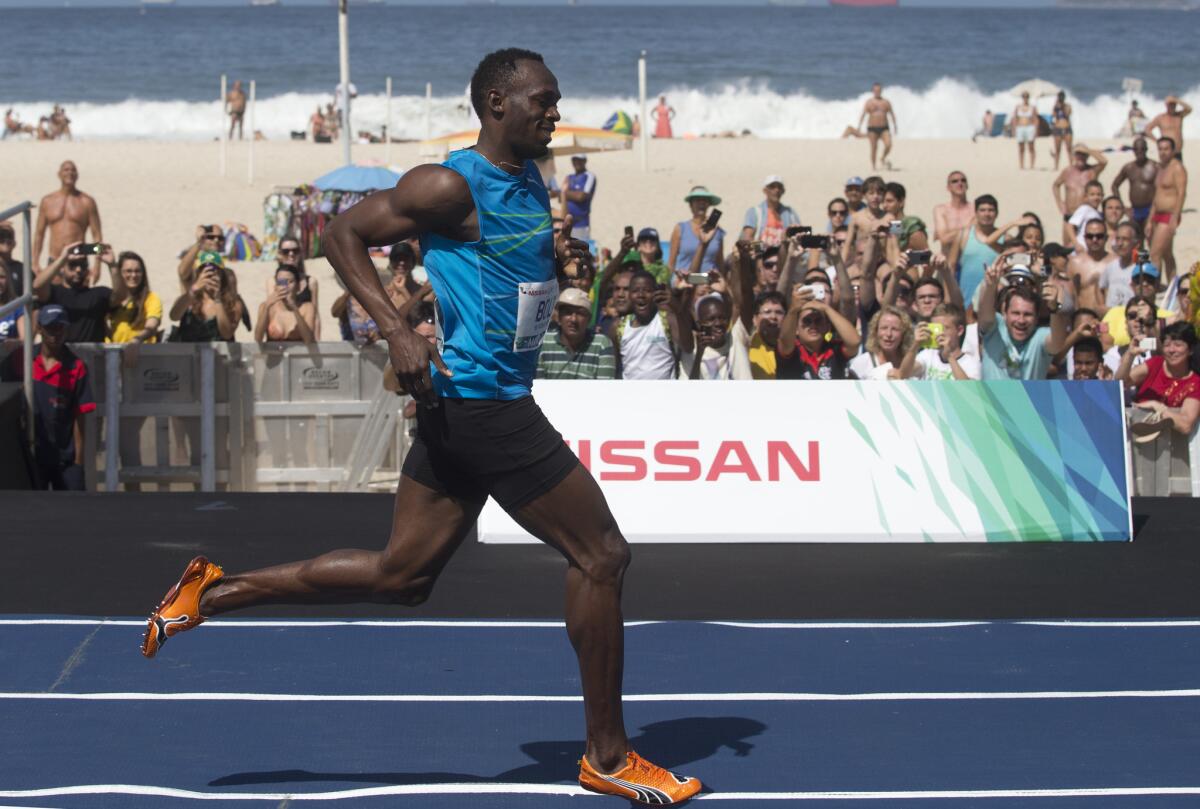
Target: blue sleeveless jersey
(495, 295)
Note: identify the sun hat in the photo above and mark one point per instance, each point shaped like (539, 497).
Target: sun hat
(700, 192)
(572, 296)
(772, 179)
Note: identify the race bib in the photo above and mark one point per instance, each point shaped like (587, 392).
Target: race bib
(535, 304)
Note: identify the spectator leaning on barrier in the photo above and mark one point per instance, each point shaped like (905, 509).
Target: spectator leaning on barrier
(936, 351)
(644, 340)
(136, 319)
(767, 221)
(62, 395)
(572, 350)
(1166, 383)
(1013, 345)
(815, 340)
(86, 307)
(211, 308)
(889, 337)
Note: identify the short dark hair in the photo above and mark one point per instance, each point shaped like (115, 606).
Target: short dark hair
(423, 312)
(1090, 344)
(1094, 184)
(874, 182)
(1083, 310)
(951, 310)
(1169, 140)
(896, 190)
(818, 275)
(835, 201)
(640, 274)
(1181, 330)
(771, 295)
(930, 281)
(401, 250)
(497, 70)
(986, 199)
(1018, 291)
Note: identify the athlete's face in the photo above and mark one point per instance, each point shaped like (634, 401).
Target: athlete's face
(529, 110)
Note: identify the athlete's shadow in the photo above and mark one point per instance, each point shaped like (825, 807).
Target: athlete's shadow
(673, 744)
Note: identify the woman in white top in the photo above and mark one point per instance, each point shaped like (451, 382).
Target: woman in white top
(889, 336)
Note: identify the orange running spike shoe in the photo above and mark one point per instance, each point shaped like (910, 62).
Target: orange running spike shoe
(640, 781)
(180, 608)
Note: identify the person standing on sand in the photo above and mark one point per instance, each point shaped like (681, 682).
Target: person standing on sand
(876, 113)
(1170, 123)
(69, 214)
(1140, 172)
(1061, 127)
(1025, 127)
(662, 115)
(1167, 209)
(1074, 181)
(1136, 120)
(235, 105)
(950, 218)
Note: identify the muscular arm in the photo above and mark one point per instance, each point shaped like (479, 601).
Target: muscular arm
(1060, 199)
(428, 198)
(742, 288)
(1122, 176)
(39, 235)
(97, 236)
(1101, 163)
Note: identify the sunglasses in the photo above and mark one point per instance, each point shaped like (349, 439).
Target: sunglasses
(812, 321)
(838, 212)
(289, 251)
(1095, 237)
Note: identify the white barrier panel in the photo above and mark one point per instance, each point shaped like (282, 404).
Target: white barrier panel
(846, 461)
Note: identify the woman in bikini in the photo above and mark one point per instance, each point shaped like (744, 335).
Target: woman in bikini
(282, 318)
(1061, 128)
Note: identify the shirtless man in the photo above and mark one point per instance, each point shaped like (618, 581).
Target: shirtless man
(1140, 172)
(235, 104)
(950, 218)
(876, 112)
(864, 223)
(1070, 187)
(1167, 209)
(69, 214)
(1086, 269)
(1170, 123)
(13, 125)
(60, 124)
(1025, 127)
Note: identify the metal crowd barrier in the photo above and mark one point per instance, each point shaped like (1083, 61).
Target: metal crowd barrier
(1162, 467)
(242, 417)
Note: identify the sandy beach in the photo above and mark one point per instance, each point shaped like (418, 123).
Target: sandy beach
(153, 194)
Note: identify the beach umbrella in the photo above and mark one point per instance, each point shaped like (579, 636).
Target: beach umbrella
(357, 178)
(568, 139)
(240, 244)
(1037, 88)
(619, 122)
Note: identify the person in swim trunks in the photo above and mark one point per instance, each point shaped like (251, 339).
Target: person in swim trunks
(1140, 173)
(877, 112)
(1170, 192)
(483, 218)
(1025, 126)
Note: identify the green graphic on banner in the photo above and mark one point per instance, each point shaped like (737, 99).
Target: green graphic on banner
(1037, 460)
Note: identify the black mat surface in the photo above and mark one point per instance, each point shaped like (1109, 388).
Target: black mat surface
(99, 554)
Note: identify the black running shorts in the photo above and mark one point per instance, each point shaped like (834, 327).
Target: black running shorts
(472, 448)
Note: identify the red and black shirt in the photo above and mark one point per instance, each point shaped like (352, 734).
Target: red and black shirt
(61, 394)
(827, 362)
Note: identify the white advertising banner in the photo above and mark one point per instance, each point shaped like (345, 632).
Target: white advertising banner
(844, 461)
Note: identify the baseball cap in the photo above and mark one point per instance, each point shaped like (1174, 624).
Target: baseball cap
(1080, 147)
(647, 233)
(854, 181)
(53, 315)
(206, 257)
(1145, 268)
(574, 297)
(772, 179)
(1056, 250)
(632, 257)
(1019, 271)
(582, 157)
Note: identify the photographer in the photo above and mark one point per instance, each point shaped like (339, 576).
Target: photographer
(1014, 346)
(709, 355)
(209, 238)
(282, 318)
(803, 352)
(1085, 327)
(1144, 283)
(1166, 384)
(86, 307)
(211, 309)
(756, 319)
(936, 351)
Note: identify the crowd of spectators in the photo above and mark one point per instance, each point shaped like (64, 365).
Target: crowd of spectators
(869, 294)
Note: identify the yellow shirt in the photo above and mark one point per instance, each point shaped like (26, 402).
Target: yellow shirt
(126, 321)
(1115, 320)
(762, 358)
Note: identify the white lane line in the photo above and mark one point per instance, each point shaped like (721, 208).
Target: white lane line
(766, 696)
(398, 624)
(574, 791)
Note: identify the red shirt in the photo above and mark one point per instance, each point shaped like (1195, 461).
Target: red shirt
(1158, 387)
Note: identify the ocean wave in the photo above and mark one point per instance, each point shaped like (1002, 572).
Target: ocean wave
(948, 108)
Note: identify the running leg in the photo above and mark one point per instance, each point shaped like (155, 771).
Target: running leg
(574, 518)
(427, 528)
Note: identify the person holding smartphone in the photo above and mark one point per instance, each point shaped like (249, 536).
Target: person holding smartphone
(86, 307)
(936, 351)
(211, 308)
(282, 318)
(685, 238)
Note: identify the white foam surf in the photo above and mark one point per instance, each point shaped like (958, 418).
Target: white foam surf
(948, 108)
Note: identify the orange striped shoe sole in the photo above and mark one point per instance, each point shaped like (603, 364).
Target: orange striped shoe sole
(179, 609)
(639, 781)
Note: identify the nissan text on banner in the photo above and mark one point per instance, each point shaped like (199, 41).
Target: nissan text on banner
(846, 461)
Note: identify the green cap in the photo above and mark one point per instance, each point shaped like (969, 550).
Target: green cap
(210, 257)
(632, 257)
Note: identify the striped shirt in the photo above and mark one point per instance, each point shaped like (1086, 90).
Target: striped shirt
(594, 361)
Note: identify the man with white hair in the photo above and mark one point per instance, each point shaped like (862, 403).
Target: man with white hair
(768, 221)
